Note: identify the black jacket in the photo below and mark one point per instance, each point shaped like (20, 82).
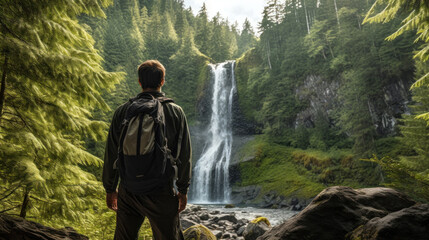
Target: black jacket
(174, 119)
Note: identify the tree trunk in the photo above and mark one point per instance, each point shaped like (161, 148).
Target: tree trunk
(25, 203)
(306, 18)
(3, 84)
(336, 12)
(268, 54)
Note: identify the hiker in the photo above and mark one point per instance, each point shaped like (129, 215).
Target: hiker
(149, 149)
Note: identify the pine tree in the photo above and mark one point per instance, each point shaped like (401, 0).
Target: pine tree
(51, 78)
(246, 39)
(417, 19)
(203, 31)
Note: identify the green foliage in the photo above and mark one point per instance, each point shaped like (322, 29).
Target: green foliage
(301, 173)
(408, 169)
(415, 20)
(273, 169)
(325, 39)
(52, 79)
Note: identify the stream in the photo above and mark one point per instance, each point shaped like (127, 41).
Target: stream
(275, 216)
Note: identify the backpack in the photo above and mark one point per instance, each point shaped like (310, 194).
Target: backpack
(145, 163)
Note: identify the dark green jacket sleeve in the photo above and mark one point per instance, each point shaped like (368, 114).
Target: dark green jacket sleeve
(110, 175)
(185, 158)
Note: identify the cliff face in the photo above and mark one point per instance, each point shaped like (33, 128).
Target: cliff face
(323, 99)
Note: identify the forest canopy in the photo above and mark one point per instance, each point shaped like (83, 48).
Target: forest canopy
(317, 76)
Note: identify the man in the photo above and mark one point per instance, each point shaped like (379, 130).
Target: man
(162, 205)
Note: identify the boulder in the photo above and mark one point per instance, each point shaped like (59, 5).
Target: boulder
(240, 231)
(12, 228)
(337, 211)
(228, 217)
(217, 233)
(198, 232)
(256, 228)
(187, 223)
(408, 223)
(204, 216)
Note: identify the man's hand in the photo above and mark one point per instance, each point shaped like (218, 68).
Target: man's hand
(183, 200)
(112, 200)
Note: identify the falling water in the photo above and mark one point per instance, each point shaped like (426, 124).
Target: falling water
(211, 176)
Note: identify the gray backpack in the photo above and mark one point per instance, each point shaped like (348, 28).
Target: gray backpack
(145, 162)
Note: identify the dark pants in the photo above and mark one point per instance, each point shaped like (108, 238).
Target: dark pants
(161, 210)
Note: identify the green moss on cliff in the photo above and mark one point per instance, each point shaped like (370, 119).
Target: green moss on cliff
(273, 168)
(301, 173)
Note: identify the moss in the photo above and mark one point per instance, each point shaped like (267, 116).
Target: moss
(293, 172)
(274, 170)
(198, 232)
(261, 219)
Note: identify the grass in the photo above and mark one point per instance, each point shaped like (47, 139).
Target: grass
(273, 169)
(293, 172)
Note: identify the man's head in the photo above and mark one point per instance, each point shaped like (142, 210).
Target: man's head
(151, 75)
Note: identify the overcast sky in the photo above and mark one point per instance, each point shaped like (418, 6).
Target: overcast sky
(234, 10)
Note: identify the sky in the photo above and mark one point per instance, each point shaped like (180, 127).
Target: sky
(234, 10)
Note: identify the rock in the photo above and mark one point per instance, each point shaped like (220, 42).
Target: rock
(408, 223)
(255, 229)
(337, 211)
(262, 219)
(12, 228)
(226, 236)
(217, 233)
(214, 212)
(246, 194)
(228, 217)
(194, 208)
(204, 216)
(297, 207)
(241, 230)
(187, 223)
(198, 232)
(229, 206)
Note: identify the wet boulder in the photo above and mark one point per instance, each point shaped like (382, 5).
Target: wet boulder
(408, 223)
(256, 228)
(337, 211)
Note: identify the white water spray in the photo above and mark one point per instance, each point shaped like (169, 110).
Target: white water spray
(211, 172)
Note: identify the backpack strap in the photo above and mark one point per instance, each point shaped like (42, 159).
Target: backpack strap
(175, 159)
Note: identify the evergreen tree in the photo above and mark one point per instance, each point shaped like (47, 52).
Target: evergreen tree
(51, 79)
(417, 11)
(246, 39)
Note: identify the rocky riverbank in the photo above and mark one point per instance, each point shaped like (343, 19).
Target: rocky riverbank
(337, 213)
(222, 225)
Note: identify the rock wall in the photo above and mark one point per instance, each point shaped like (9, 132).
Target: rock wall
(322, 97)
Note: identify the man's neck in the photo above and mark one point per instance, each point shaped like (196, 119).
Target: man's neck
(151, 90)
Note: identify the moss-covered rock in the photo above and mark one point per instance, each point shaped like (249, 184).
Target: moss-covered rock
(261, 219)
(198, 232)
(256, 228)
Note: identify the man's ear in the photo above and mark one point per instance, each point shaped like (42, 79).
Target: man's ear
(139, 82)
(162, 82)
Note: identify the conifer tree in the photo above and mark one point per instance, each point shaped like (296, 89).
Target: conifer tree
(51, 78)
(417, 19)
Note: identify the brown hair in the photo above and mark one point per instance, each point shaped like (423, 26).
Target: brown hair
(151, 73)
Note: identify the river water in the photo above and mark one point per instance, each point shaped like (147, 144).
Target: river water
(275, 216)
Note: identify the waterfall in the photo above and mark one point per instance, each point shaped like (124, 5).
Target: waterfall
(211, 171)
